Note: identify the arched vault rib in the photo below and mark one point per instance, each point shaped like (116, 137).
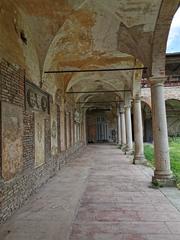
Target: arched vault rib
(99, 28)
(85, 38)
(79, 42)
(113, 78)
(45, 18)
(166, 13)
(95, 82)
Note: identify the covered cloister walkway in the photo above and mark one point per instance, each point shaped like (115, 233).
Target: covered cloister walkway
(98, 195)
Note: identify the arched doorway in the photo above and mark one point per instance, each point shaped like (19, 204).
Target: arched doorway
(101, 125)
(102, 128)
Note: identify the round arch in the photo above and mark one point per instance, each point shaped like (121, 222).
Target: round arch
(163, 23)
(173, 116)
(170, 96)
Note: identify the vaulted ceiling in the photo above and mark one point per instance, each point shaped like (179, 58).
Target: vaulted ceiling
(85, 34)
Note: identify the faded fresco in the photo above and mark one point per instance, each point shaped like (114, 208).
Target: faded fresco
(12, 133)
(54, 142)
(39, 139)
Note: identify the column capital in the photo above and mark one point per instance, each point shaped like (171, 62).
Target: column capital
(121, 107)
(128, 105)
(118, 112)
(128, 102)
(121, 110)
(157, 81)
(137, 98)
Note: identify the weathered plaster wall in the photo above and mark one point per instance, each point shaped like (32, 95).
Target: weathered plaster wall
(13, 25)
(39, 119)
(12, 139)
(30, 150)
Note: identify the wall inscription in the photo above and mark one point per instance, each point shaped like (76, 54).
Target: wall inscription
(36, 99)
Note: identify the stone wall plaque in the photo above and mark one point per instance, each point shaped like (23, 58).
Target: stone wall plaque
(12, 145)
(35, 98)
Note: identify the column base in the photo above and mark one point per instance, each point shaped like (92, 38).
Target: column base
(123, 147)
(120, 145)
(163, 179)
(128, 151)
(139, 160)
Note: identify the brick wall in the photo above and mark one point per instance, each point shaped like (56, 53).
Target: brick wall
(14, 192)
(169, 93)
(12, 83)
(28, 141)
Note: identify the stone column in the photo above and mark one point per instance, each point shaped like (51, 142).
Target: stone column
(85, 130)
(122, 126)
(129, 145)
(118, 126)
(67, 129)
(138, 132)
(72, 128)
(162, 171)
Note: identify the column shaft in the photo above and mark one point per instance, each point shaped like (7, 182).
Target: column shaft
(138, 133)
(85, 130)
(118, 128)
(160, 135)
(128, 128)
(123, 127)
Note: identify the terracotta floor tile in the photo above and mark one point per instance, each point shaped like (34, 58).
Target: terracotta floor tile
(100, 195)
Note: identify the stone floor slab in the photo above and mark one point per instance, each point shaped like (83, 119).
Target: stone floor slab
(100, 195)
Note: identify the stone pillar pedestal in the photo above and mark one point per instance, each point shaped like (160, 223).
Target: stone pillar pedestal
(122, 127)
(129, 145)
(162, 171)
(138, 133)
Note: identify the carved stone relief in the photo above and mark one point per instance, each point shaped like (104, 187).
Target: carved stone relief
(36, 99)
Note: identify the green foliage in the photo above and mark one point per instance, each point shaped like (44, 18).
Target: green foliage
(149, 153)
(156, 184)
(174, 148)
(175, 158)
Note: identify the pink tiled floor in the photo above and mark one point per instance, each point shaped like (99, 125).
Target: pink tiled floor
(119, 204)
(99, 196)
